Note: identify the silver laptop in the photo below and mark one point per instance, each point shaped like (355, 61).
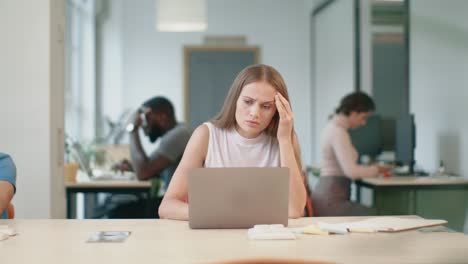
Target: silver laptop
(238, 197)
(96, 175)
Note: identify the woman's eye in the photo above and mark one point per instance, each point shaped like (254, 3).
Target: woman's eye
(266, 107)
(248, 102)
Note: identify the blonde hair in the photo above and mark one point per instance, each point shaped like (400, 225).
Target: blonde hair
(226, 118)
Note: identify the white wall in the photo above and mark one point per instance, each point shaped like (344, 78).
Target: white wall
(31, 119)
(152, 61)
(439, 83)
(334, 62)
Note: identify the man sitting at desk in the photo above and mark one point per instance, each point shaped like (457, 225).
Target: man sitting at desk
(157, 119)
(7, 183)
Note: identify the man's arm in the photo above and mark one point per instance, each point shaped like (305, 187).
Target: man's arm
(6, 194)
(145, 167)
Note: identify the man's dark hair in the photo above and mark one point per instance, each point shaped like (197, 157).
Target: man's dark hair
(160, 104)
(355, 102)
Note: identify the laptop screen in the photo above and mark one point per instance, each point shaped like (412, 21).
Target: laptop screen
(77, 149)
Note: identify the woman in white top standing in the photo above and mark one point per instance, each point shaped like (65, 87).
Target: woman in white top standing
(253, 129)
(339, 164)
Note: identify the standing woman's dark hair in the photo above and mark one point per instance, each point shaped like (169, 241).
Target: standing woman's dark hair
(355, 102)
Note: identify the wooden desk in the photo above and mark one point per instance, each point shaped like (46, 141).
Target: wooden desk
(430, 197)
(166, 241)
(415, 181)
(108, 186)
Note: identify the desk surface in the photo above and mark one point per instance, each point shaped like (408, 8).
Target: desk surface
(414, 181)
(166, 241)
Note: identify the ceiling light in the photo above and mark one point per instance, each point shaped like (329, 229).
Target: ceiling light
(181, 15)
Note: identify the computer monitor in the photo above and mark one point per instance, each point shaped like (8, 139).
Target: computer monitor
(368, 139)
(388, 133)
(405, 141)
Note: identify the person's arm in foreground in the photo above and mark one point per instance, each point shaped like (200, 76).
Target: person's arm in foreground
(174, 205)
(6, 194)
(7, 181)
(286, 139)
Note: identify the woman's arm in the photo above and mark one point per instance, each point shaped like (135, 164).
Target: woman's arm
(6, 194)
(174, 205)
(287, 143)
(7, 181)
(344, 149)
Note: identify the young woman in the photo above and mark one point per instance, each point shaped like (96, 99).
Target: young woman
(339, 159)
(253, 129)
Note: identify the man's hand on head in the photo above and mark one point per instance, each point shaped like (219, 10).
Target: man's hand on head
(141, 114)
(137, 121)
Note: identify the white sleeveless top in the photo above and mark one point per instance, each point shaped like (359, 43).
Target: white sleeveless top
(227, 148)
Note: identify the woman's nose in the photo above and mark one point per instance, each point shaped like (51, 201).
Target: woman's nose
(254, 111)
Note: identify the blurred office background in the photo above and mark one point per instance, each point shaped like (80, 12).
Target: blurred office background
(78, 67)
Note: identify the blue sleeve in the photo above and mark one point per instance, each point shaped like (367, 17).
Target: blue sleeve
(7, 170)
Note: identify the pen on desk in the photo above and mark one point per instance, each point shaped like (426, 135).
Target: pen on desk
(335, 230)
(358, 230)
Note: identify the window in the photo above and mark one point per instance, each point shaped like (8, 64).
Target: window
(80, 70)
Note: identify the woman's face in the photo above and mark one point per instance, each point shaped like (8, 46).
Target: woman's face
(255, 108)
(358, 119)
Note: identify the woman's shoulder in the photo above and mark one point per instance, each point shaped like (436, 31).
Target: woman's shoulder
(202, 131)
(333, 133)
(333, 128)
(212, 128)
(199, 139)
(207, 129)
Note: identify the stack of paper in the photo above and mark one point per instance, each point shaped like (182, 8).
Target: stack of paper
(314, 230)
(268, 232)
(380, 224)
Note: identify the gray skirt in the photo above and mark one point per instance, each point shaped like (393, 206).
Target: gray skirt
(331, 197)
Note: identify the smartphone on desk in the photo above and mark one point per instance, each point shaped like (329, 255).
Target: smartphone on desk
(108, 237)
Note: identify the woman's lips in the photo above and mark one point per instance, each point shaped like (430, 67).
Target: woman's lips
(252, 123)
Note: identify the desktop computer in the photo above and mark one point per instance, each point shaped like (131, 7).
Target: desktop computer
(405, 143)
(368, 139)
(387, 134)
